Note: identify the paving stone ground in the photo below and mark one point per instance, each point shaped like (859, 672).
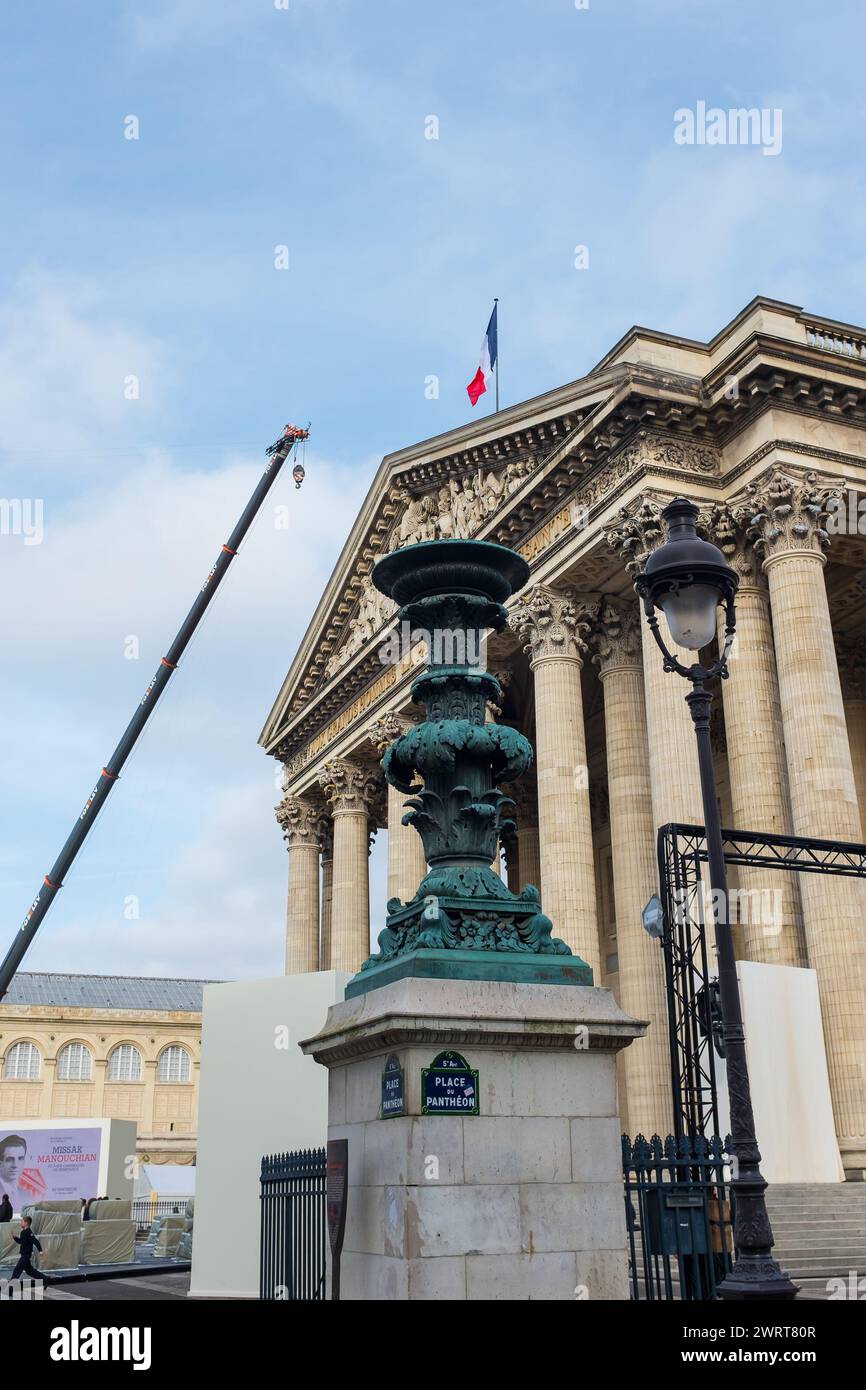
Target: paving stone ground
(139, 1289)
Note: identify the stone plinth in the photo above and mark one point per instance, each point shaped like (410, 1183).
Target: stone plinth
(523, 1200)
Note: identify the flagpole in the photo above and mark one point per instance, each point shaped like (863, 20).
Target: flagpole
(496, 311)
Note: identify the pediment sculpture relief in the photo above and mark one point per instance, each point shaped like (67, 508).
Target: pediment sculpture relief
(454, 511)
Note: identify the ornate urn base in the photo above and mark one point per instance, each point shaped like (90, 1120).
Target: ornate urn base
(452, 591)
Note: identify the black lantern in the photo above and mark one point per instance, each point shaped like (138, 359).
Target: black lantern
(688, 579)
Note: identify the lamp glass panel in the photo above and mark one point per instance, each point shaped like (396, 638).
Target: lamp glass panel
(691, 615)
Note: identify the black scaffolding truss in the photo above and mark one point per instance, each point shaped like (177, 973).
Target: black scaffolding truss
(689, 981)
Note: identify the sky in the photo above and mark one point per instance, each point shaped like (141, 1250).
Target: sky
(220, 215)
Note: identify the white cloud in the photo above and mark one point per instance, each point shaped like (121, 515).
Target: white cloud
(64, 364)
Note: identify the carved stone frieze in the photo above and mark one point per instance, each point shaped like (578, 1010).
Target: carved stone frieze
(460, 507)
(373, 612)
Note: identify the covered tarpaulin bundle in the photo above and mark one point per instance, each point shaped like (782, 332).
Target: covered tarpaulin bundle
(55, 1223)
(71, 1204)
(111, 1209)
(108, 1242)
(9, 1251)
(59, 1251)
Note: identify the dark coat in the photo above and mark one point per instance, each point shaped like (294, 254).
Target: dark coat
(5, 1210)
(27, 1240)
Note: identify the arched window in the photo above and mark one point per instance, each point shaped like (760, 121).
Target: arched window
(74, 1063)
(23, 1062)
(174, 1064)
(124, 1064)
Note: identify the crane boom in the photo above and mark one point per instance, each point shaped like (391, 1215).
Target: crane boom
(53, 882)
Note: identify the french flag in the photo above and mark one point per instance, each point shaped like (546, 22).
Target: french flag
(478, 384)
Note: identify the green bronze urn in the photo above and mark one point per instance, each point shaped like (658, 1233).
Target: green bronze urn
(462, 921)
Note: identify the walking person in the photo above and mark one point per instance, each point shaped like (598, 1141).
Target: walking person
(27, 1240)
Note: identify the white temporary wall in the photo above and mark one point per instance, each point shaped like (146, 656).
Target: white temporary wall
(788, 1074)
(258, 1094)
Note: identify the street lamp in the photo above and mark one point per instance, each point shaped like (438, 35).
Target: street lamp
(688, 579)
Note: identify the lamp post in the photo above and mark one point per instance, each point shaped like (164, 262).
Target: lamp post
(688, 579)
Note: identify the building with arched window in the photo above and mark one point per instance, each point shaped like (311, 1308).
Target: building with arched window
(119, 1047)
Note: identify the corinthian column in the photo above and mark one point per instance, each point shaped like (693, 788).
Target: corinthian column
(852, 673)
(617, 643)
(351, 790)
(767, 909)
(788, 516)
(299, 820)
(525, 794)
(552, 632)
(406, 863)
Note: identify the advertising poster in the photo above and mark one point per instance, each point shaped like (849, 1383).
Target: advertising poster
(48, 1164)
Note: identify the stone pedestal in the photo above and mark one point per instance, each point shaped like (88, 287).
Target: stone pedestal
(521, 1201)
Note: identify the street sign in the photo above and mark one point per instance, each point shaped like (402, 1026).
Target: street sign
(393, 1090)
(449, 1086)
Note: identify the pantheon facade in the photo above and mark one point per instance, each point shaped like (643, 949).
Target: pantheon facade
(764, 427)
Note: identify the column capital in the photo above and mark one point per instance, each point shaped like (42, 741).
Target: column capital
(299, 820)
(389, 726)
(727, 525)
(787, 513)
(851, 657)
(350, 786)
(616, 637)
(550, 625)
(636, 531)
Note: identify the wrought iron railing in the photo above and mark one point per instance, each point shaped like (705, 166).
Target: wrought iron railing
(678, 1216)
(294, 1229)
(146, 1209)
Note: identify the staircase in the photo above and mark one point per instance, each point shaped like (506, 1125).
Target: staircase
(820, 1233)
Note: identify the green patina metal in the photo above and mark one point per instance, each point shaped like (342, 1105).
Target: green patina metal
(453, 591)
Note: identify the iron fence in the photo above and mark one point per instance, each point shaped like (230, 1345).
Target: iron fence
(145, 1209)
(294, 1228)
(678, 1206)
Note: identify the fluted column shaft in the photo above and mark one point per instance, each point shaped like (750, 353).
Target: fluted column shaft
(635, 874)
(824, 804)
(350, 902)
(528, 856)
(768, 904)
(351, 789)
(855, 718)
(300, 824)
(552, 632)
(406, 863)
(674, 773)
(852, 673)
(327, 864)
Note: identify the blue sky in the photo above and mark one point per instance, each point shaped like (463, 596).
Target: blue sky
(305, 127)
